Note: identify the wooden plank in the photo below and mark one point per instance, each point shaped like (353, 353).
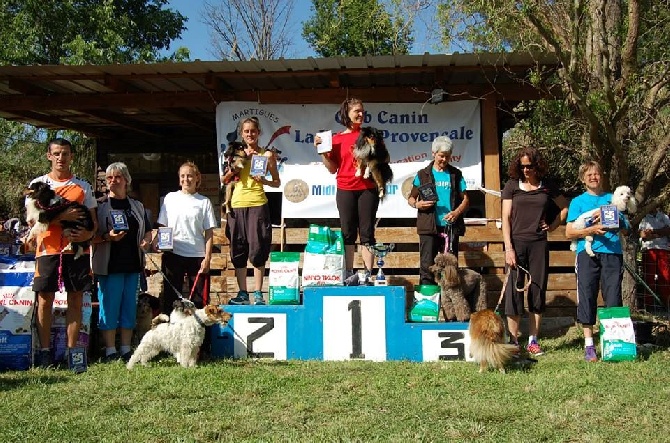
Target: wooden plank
(476, 233)
(490, 155)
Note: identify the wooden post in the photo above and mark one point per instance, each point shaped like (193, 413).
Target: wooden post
(491, 155)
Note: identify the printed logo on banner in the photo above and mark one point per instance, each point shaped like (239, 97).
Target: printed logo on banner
(296, 191)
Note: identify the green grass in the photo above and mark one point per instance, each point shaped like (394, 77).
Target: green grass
(559, 399)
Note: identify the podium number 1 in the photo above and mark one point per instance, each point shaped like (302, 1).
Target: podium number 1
(354, 327)
(356, 334)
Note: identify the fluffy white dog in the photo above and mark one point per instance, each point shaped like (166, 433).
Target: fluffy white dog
(622, 198)
(181, 336)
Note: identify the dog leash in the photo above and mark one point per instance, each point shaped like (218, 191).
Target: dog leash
(506, 280)
(447, 235)
(502, 291)
(184, 300)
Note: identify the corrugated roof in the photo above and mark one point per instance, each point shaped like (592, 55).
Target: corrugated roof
(179, 99)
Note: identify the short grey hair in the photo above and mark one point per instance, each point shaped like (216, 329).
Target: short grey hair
(123, 169)
(443, 144)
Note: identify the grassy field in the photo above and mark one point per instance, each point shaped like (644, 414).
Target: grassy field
(559, 399)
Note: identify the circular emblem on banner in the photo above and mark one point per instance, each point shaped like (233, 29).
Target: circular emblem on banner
(296, 190)
(406, 187)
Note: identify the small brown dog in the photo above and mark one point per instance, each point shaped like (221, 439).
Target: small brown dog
(461, 290)
(487, 336)
(235, 156)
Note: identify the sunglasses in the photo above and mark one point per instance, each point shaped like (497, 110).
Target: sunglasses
(527, 166)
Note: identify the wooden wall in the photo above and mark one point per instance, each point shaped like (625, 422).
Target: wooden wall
(401, 266)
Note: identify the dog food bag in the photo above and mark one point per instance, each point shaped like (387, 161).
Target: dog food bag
(17, 303)
(284, 278)
(323, 264)
(426, 306)
(617, 336)
(59, 325)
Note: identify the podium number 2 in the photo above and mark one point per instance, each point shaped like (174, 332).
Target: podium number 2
(269, 324)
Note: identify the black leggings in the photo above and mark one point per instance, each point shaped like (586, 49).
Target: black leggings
(358, 210)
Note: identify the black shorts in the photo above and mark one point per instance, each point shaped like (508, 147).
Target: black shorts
(76, 274)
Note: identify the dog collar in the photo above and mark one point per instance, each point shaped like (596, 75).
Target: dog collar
(199, 320)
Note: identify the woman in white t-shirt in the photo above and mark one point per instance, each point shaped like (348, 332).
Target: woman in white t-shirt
(191, 217)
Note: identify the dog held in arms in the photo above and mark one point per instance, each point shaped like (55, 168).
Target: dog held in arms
(235, 156)
(44, 205)
(622, 198)
(372, 158)
(181, 334)
(487, 336)
(461, 290)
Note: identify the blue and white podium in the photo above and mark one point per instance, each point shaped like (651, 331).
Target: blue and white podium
(339, 323)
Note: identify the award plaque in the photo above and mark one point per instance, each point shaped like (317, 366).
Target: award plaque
(609, 216)
(76, 359)
(259, 165)
(119, 220)
(428, 192)
(165, 238)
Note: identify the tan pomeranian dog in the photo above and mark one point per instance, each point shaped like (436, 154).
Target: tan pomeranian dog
(487, 336)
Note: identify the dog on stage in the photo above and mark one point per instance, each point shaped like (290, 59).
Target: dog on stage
(487, 336)
(181, 339)
(44, 205)
(235, 156)
(461, 290)
(372, 158)
(622, 198)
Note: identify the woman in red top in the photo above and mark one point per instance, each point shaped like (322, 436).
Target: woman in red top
(357, 198)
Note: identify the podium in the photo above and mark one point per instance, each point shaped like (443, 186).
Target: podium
(339, 323)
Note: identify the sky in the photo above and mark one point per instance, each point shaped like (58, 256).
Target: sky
(197, 39)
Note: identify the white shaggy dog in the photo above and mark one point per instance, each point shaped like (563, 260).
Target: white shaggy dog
(622, 198)
(181, 336)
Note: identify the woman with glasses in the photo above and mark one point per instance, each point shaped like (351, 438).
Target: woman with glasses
(527, 215)
(118, 260)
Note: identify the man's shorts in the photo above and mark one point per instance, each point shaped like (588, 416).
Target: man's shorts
(76, 274)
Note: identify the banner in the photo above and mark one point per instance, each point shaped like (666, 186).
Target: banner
(308, 191)
(409, 130)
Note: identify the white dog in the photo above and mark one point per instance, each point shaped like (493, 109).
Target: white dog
(622, 198)
(181, 336)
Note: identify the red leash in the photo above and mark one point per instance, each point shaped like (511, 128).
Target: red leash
(205, 289)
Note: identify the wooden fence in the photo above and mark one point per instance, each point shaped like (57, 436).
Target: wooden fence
(481, 249)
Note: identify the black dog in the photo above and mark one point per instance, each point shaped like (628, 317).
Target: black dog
(372, 158)
(44, 205)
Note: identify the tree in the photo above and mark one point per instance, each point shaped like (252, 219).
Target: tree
(613, 80)
(245, 29)
(86, 31)
(358, 28)
(72, 32)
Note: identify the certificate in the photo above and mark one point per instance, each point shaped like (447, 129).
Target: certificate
(326, 144)
(259, 165)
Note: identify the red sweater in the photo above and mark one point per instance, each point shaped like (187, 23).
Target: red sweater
(343, 156)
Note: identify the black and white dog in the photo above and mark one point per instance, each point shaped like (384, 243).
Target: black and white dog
(372, 158)
(44, 205)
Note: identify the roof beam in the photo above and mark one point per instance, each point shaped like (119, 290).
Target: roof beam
(118, 120)
(45, 121)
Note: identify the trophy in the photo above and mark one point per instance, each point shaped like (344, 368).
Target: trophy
(380, 250)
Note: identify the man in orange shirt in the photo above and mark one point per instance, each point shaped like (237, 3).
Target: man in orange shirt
(52, 263)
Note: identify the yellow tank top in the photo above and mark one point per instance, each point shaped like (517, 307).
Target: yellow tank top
(248, 193)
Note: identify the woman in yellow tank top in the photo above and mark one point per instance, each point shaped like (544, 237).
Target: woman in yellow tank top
(248, 225)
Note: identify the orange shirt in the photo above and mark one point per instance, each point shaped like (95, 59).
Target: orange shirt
(74, 189)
